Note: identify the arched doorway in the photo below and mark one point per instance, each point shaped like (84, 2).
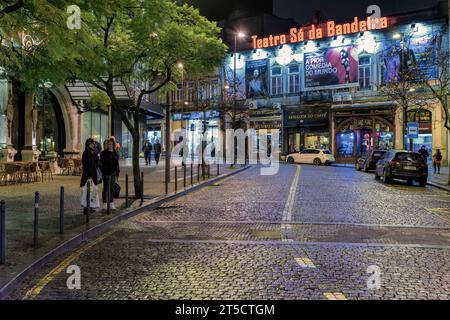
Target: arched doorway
(51, 129)
(356, 135)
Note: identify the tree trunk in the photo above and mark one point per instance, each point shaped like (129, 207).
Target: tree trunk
(136, 166)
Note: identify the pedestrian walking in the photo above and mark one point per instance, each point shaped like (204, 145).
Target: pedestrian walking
(157, 148)
(116, 146)
(437, 158)
(423, 151)
(90, 166)
(109, 165)
(147, 149)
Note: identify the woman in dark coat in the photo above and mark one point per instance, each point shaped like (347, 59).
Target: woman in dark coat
(90, 163)
(109, 165)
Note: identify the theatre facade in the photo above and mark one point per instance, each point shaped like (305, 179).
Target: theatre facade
(319, 85)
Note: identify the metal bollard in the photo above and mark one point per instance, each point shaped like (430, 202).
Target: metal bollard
(36, 220)
(218, 170)
(198, 173)
(88, 201)
(2, 233)
(184, 177)
(209, 172)
(61, 211)
(142, 188)
(108, 194)
(192, 174)
(127, 204)
(176, 179)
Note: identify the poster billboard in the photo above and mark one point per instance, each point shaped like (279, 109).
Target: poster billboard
(257, 75)
(403, 54)
(229, 94)
(331, 67)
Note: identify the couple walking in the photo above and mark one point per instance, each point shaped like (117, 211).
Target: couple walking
(148, 148)
(104, 167)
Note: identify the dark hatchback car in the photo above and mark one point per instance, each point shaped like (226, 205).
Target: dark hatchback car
(368, 161)
(404, 165)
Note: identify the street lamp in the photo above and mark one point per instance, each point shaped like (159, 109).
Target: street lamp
(180, 66)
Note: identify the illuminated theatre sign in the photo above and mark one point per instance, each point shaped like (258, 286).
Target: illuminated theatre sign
(314, 32)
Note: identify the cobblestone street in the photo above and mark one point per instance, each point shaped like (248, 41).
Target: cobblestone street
(307, 233)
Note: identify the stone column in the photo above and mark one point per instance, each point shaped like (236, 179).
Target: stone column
(6, 119)
(30, 152)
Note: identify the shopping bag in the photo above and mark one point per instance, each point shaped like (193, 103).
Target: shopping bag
(116, 191)
(94, 196)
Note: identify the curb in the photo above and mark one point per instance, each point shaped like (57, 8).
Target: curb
(99, 229)
(438, 186)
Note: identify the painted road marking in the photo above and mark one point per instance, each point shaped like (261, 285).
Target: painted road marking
(305, 262)
(37, 289)
(287, 212)
(335, 296)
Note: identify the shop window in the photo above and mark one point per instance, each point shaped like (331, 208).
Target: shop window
(345, 142)
(276, 86)
(191, 92)
(364, 73)
(293, 79)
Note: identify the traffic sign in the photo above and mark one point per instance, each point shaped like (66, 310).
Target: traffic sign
(413, 130)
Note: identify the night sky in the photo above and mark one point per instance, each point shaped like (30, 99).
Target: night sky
(303, 10)
(343, 10)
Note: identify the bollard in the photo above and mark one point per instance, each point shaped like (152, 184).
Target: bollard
(36, 220)
(184, 177)
(127, 205)
(198, 173)
(108, 194)
(218, 170)
(176, 180)
(2, 233)
(88, 201)
(192, 174)
(61, 211)
(209, 173)
(142, 188)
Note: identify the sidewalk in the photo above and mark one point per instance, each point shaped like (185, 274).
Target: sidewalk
(439, 180)
(20, 212)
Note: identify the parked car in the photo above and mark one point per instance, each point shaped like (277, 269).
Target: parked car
(368, 161)
(404, 165)
(311, 156)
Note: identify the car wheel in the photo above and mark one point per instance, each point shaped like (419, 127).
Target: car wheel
(377, 177)
(290, 160)
(423, 183)
(386, 178)
(317, 162)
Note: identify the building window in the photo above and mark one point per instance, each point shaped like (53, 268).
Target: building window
(276, 86)
(364, 73)
(191, 92)
(180, 93)
(293, 79)
(215, 88)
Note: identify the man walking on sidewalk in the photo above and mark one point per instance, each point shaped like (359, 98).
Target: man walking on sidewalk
(147, 149)
(157, 148)
(437, 158)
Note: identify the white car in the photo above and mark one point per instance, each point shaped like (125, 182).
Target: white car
(311, 156)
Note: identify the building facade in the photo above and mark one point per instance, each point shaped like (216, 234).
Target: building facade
(320, 85)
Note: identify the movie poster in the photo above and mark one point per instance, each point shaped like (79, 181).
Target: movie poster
(401, 55)
(240, 82)
(331, 67)
(257, 78)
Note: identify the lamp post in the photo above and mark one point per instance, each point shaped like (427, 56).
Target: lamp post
(183, 95)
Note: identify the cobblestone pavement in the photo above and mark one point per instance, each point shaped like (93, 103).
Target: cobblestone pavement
(306, 233)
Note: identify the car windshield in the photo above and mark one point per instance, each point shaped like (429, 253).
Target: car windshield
(404, 156)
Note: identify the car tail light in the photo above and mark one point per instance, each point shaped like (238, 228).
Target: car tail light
(394, 163)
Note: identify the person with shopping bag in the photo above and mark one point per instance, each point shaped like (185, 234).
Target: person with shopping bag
(109, 166)
(90, 174)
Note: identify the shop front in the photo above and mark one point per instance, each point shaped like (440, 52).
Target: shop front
(266, 122)
(425, 120)
(193, 126)
(306, 128)
(359, 128)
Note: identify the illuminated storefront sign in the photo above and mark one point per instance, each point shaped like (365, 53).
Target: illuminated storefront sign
(314, 32)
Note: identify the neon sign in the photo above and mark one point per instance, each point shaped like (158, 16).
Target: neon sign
(315, 32)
